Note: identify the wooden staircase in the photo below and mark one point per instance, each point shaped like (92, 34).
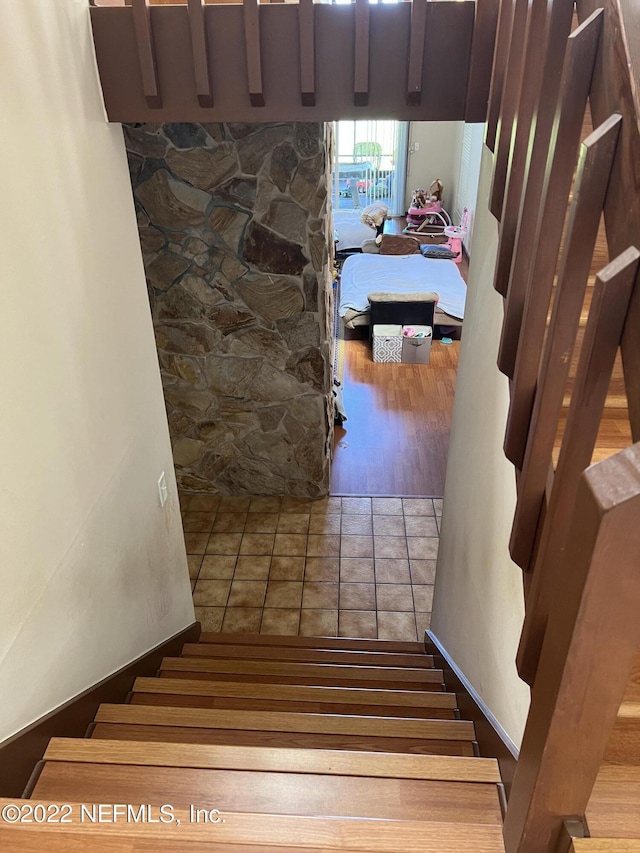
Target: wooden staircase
(300, 744)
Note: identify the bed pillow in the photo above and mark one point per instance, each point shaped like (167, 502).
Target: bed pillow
(398, 244)
(438, 252)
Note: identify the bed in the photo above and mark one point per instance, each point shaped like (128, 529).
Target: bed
(400, 274)
(351, 232)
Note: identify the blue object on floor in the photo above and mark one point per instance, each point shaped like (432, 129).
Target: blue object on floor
(446, 341)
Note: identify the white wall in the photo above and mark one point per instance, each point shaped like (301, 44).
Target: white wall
(478, 604)
(93, 571)
(438, 156)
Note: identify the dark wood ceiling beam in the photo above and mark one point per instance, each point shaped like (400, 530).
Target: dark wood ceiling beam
(200, 48)
(361, 64)
(251, 10)
(419, 11)
(146, 53)
(306, 23)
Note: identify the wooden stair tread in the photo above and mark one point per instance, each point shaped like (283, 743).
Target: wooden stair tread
(35, 840)
(270, 721)
(329, 762)
(341, 657)
(333, 674)
(336, 696)
(275, 740)
(345, 643)
(308, 832)
(271, 792)
(605, 845)
(613, 808)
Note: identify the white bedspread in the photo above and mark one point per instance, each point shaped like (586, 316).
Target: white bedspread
(351, 231)
(364, 274)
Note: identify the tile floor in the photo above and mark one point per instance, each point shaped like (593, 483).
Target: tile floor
(349, 567)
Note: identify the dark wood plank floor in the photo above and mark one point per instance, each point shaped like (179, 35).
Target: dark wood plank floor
(396, 438)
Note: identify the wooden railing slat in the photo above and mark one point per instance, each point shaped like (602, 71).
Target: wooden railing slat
(508, 107)
(548, 28)
(361, 57)
(146, 52)
(482, 49)
(594, 169)
(609, 306)
(251, 10)
(589, 647)
(500, 57)
(416, 49)
(200, 47)
(306, 22)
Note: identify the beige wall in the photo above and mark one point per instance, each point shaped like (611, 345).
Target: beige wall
(478, 604)
(437, 157)
(93, 570)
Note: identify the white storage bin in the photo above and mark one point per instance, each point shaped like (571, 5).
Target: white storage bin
(417, 350)
(387, 343)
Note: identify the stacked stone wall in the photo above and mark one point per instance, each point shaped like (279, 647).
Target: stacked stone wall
(236, 231)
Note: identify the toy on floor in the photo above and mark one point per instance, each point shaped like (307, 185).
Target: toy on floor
(426, 213)
(456, 234)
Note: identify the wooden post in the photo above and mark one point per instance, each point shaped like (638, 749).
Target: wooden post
(609, 307)
(307, 53)
(417, 36)
(200, 48)
(252, 46)
(591, 642)
(361, 70)
(482, 49)
(146, 52)
(500, 56)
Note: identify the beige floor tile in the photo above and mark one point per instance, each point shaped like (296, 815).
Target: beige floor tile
(261, 522)
(421, 525)
(357, 596)
(284, 594)
(356, 546)
(321, 545)
(252, 568)
(357, 525)
(292, 504)
(422, 597)
(247, 594)
(224, 543)
(203, 503)
(322, 569)
(422, 547)
(265, 504)
(280, 621)
(356, 570)
(418, 506)
(327, 506)
(286, 569)
(437, 505)
(217, 566)
(423, 571)
(234, 504)
(196, 543)
(423, 623)
(290, 545)
(396, 626)
(211, 593)
(229, 522)
(394, 596)
(318, 623)
(356, 506)
(194, 561)
(293, 522)
(392, 571)
(387, 506)
(321, 523)
(197, 522)
(358, 623)
(242, 620)
(259, 544)
(210, 618)
(390, 546)
(320, 596)
(388, 525)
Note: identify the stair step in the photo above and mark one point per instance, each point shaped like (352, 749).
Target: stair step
(284, 672)
(339, 643)
(306, 655)
(273, 722)
(605, 845)
(613, 807)
(271, 793)
(284, 697)
(623, 746)
(328, 762)
(275, 832)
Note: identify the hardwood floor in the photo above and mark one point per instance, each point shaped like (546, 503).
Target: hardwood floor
(396, 437)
